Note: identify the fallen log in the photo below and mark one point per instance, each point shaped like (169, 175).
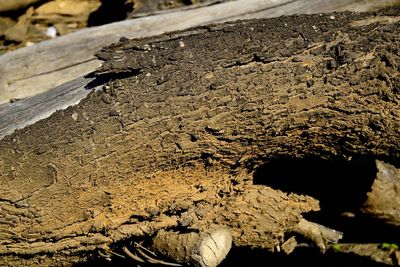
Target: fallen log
(170, 142)
(36, 69)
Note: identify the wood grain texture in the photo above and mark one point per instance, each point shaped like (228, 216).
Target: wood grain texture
(26, 111)
(36, 69)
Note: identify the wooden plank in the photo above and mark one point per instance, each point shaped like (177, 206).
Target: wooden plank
(27, 111)
(32, 70)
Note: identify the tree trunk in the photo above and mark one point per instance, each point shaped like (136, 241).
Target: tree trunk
(172, 140)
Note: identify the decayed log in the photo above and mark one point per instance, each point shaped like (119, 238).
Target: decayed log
(171, 141)
(383, 201)
(32, 70)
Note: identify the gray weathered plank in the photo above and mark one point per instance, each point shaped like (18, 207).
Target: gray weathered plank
(27, 111)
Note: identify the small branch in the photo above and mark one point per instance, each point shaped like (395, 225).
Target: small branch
(319, 234)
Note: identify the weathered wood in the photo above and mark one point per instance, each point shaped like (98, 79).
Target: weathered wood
(383, 201)
(25, 112)
(36, 69)
(378, 254)
(172, 140)
(54, 62)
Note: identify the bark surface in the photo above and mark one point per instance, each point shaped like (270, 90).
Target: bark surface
(172, 140)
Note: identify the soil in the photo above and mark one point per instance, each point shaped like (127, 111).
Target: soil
(181, 135)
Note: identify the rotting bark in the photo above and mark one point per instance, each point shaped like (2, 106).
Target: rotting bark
(60, 60)
(384, 199)
(172, 141)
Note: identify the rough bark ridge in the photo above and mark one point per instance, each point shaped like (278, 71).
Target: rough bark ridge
(173, 139)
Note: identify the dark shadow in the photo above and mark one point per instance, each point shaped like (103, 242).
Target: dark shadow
(245, 256)
(339, 185)
(300, 257)
(101, 79)
(358, 229)
(110, 11)
(97, 262)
